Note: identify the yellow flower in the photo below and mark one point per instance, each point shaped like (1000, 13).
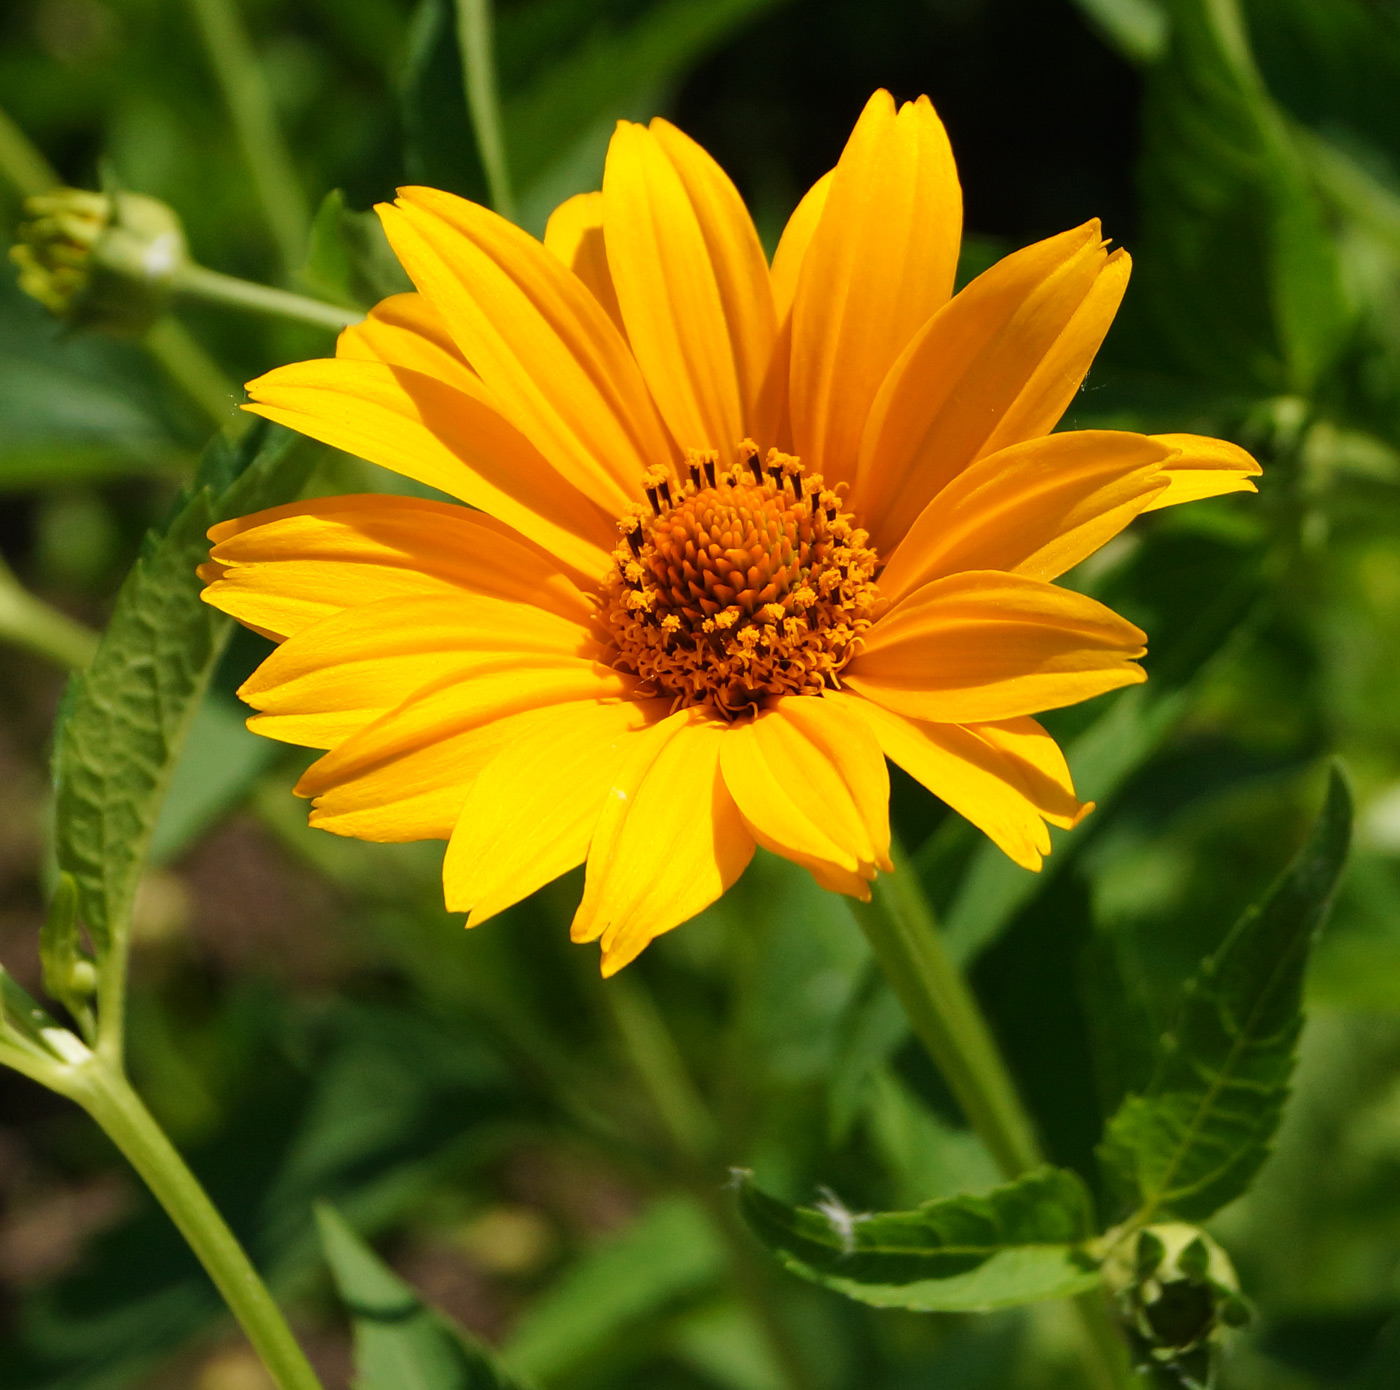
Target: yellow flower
(740, 533)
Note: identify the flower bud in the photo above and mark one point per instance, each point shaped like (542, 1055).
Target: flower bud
(1177, 1293)
(100, 260)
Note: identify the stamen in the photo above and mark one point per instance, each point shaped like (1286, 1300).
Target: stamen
(746, 584)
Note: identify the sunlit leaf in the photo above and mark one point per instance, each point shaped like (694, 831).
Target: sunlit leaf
(1235, 261)
(400, 1342)
(1196, 1137)
(126, 717)
(1136, 28)
(671, 1252)
(350, 260)
(1019, 1243)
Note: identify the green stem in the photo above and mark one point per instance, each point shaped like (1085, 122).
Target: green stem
(946, 1018)
(909, 949)
(477, 45)
(692, 1135)
(31, 623)
(22, 163)
(214, 287)
(110, 1100)
(250, 104)
(191, 368)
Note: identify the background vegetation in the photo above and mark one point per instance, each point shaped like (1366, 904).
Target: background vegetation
(309, 1024)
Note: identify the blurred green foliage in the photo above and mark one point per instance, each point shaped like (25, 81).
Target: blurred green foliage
(312, 1027)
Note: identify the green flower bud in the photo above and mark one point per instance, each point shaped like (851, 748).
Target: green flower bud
(100, 260)
(1177, 1293)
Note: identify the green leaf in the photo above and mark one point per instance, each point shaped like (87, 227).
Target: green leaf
(1236, 262)
(221, 760)
(572, 68)
(400, 1342)
(1019, 1243)
(126, 717)
(1196, 1137)
(1136, 28)
(350, 260)
(670, 1253)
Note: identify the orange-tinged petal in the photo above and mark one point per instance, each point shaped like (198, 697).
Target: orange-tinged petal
(669, 840)
(1203, 467)
(334, 677)
(289, 567)
(771, 423)
(810, 781)
(406, 331)
(792, 245)
(1036, 509)
(666, 287)
(880, 263)
(406, 775)
(1008, 779)
(984, 646)
(530, 814)
(996, 366)
(736, 257)
(549, 356)
(438, 434)
(574, 233)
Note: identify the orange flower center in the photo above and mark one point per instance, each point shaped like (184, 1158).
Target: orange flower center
(739, 586)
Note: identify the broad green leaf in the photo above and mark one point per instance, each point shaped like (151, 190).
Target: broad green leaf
(602, 73)
(1136, 28)
(1195, 1138)
(400, 1342)
(1019, 1243)
(350, 260)
(125, 718)
(218, 765)
(1236, 262)
(670, 1253)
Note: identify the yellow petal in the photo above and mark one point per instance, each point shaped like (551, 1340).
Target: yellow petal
(1036, 509)
(691, 280)
(1203, 467)
(439, 435)
(286, 568)
(668, 842)
(530, 814)
(334, 677)
(793, 244)
(983, 646)
(574, 233)
(810, 781)
(406, 775)
(1008, 779)
(879, 265)
(771, 423)
(406, 331)
(736, 257)
(997, 366)
(544, 347)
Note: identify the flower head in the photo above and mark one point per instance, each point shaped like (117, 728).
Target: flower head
(734, 535)
(104, 260)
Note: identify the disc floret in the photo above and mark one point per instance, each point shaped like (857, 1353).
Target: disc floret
(738, 585)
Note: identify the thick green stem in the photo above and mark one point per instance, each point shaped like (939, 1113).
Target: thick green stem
(212, 286)
(899, 925)
(477, 44)
(109, 1099)
(29, 622)
(692, 1134)
(191, 368)
(249, 101)
(946, 1018)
